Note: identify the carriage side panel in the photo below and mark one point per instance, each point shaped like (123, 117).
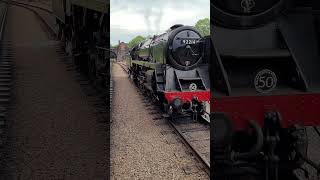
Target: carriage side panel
(58, 7)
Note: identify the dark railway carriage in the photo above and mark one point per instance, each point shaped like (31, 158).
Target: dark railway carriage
(265, 87)
(84, 31)
(172, 67)
(58, 8)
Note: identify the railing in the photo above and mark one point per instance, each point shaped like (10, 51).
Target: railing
(3, 18)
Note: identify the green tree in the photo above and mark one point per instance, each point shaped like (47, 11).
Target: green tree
(203, 26)
(135, 41)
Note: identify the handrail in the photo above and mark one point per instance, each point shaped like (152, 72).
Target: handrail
(3, 21)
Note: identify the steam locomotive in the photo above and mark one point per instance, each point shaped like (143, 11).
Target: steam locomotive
(84, 33)
(171, 67)
(265, 83)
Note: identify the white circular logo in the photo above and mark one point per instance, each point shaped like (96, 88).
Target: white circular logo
(193, 87)
(247, 5)
(265, 81)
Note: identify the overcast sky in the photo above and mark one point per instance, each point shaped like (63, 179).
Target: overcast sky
(130, 18)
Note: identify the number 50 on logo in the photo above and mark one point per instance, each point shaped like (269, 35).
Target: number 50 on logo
(265, 81)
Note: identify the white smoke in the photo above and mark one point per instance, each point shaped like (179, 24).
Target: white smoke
(149, 17)
(152, 10)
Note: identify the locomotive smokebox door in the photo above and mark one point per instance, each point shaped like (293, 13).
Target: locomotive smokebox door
(184, 48)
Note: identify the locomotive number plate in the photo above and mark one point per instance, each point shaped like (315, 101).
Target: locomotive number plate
(188, 41)
(265, 81)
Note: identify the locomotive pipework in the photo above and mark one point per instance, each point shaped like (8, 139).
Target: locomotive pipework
(265, 79)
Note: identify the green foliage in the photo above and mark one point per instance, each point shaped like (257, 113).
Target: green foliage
(203, 26)
(135, 41)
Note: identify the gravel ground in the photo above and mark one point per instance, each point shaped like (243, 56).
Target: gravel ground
(142, 148)
(53, 129)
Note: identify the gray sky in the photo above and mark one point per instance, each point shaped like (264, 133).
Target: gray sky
(130, 18)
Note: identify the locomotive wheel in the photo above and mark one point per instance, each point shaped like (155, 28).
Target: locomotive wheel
(74, 51)
(83, 63)
(243, 18)
(68, 47)
(62, 39)
(69, 44)
(95, 79)
(58, 37)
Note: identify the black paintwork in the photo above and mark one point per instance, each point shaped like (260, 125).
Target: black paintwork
(280, 35)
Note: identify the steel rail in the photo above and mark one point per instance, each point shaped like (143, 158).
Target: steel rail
(195, 151)
(38, 7)
(124, 67)
(30, 7)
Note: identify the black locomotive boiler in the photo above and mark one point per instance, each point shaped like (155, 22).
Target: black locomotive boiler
(265, 88)
(172, 68)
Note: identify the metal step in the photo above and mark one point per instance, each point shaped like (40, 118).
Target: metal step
(5, 76)
(4, 80)
(190, 79)
(5, 84)
(4, 100)
(4, 94)
(5, 72)
(4, 68)
(4, 89)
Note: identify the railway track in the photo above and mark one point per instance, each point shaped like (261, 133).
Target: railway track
(195, 135)
(30, 5)
(98, 117)
(51, 30)
(102, 102)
